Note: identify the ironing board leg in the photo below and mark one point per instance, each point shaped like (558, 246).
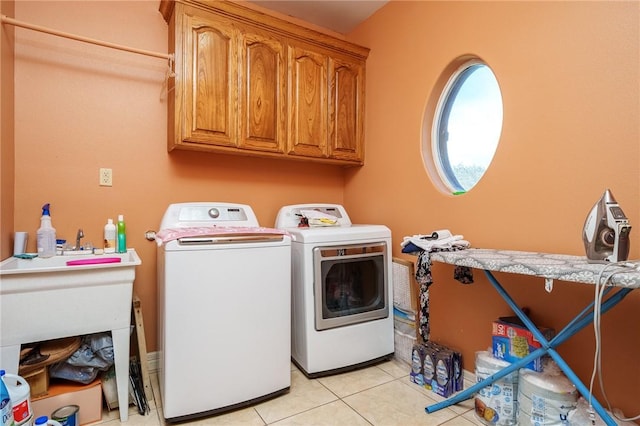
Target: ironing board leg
(580, 321)
(581, 387)
(576, 326)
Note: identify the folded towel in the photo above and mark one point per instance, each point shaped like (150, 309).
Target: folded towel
(442, 239)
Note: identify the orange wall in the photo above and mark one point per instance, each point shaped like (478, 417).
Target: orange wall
(569, 74)
(7, 172)
(569, 77)
(81, 107)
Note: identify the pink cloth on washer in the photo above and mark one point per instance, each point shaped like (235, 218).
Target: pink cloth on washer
(171, 234)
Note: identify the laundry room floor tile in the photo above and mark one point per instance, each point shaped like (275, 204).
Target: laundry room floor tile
(334, 413)
(461, 421)
(396, 368)
(304, 395)
(395, 403)
(380, 395)
(355, 381)
(243, 417)
(459, 408)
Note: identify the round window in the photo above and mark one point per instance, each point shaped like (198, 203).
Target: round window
(462, 130)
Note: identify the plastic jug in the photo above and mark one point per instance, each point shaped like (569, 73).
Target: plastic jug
(5, 403)
(44, 420)
(20, 394)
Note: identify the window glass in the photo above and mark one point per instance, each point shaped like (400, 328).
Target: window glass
(466, 127)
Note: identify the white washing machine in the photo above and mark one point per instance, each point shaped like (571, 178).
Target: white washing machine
(224, 309)
(342, 295)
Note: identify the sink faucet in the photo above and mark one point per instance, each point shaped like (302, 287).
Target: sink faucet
(79, 235)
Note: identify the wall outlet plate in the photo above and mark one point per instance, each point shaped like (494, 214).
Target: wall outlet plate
(106, 177)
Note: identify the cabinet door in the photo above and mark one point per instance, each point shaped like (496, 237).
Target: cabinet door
(346, 109)
(262, 117)
(308, 103)
(208, 102)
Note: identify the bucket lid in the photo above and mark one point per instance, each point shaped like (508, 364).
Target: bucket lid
(553, 386)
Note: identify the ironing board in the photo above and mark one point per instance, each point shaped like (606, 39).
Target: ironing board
(550, 267)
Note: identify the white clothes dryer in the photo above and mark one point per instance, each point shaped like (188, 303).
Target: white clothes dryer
(342, 294)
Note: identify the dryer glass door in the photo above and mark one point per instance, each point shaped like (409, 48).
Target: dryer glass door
(350, 284)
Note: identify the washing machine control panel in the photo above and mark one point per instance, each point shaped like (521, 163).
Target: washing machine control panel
(208, 214)
(213, 214)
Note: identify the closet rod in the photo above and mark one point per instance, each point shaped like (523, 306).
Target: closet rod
(11, 21)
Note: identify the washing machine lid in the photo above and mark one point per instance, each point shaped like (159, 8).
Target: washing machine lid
(205, 214)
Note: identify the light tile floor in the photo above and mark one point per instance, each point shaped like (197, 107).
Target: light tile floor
(378, 395)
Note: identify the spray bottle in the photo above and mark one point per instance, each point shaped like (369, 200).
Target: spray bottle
(46, 235)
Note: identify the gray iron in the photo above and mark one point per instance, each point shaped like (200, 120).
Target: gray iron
(606, 232)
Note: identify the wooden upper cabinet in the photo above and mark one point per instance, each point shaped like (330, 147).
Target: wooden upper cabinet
(251, 84)
(308, 112)
(206, 92)
(346, 106)
(262, 92)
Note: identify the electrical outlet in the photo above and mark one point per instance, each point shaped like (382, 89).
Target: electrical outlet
(106, 177)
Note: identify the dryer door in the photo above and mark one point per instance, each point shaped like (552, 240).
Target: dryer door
(350, 284)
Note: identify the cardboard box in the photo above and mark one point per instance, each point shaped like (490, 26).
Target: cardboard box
(511, 341)
(87, 397)
(429, 365)
(436, 368)
(110, 389)
(38, 382)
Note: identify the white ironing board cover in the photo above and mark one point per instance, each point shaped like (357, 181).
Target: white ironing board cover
(549, 266)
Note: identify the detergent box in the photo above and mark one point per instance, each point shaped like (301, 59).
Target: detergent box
(417, 359)
(442, 369)
(511, 341)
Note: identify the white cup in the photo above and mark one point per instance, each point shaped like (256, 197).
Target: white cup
(20, 242)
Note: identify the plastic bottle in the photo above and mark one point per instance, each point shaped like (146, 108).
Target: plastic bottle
(110, 237)
(46, 235)
(122, 235)
(20, 393)
(44, 420)
(5, 403)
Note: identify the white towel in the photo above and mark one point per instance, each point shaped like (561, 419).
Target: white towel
(445, 240)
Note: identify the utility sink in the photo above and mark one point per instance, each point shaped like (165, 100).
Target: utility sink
(38, 265)
(43, 299)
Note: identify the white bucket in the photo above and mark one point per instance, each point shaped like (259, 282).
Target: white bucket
(496, 404)
(20, 394)
(545, 399)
